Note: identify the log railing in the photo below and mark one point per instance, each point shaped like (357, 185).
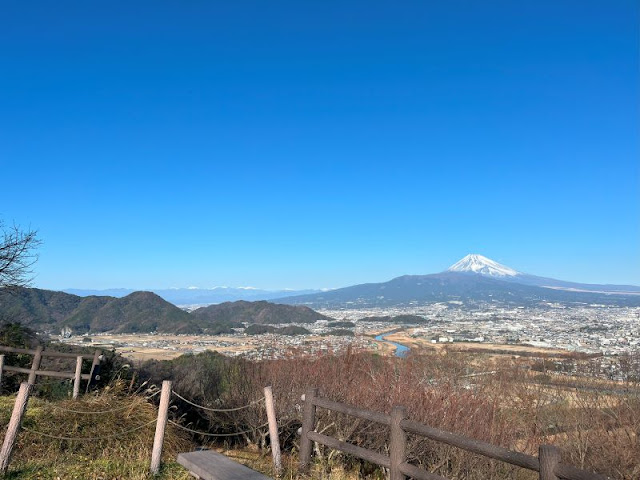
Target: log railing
(547, 463)
(77, 376)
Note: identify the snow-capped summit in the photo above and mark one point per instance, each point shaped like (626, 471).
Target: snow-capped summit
(474, 263)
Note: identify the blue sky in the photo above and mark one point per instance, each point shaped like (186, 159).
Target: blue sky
(320, 144)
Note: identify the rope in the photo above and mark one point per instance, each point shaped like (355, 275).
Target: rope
(216, 434)
(216, 409)
(117, 409)
(88, 439)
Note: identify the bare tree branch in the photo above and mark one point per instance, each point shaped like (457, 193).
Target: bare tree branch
(17, 255)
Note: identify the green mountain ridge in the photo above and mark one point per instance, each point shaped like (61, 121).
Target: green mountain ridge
(260, 313)
(49, 311)
(138, 312)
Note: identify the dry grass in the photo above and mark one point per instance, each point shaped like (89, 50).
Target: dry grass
(597, 431)
(119, 454)
(261, 461)
(418, 343)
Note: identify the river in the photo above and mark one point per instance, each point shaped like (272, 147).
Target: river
(401, 350)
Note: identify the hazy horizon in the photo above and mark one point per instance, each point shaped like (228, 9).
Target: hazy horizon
(249, 287)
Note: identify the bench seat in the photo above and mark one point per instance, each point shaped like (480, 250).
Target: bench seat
(210, 465)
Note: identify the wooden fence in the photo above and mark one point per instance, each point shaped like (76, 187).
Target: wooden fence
(35, 371)
(547, 463)
(20, 408)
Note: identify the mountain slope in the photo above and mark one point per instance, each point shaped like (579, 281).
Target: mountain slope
(143, 312)
(480, 265)
(35, 307)
(47, 310)
(526, 279)
(137, 312)
(448, 286)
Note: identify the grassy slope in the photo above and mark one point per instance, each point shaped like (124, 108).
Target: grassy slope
(128, 457)
(39, 458)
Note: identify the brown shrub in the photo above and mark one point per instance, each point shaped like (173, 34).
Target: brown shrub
(503, 406)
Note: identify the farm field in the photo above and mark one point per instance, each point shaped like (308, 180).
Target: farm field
(165, 347)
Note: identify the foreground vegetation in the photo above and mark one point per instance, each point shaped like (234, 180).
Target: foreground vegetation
(497, 399)
(505, 400)
(117, 452)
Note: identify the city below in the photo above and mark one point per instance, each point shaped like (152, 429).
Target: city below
(597, 330)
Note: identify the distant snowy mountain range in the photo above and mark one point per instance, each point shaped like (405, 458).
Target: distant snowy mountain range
(474, 278)
(199, 296)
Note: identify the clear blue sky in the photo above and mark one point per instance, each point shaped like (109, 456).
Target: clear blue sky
(319, 143)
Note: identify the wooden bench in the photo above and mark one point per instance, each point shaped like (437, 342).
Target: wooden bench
(210, 465)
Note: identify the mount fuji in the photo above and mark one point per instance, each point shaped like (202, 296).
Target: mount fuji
(474, 279)
(477, 264)
(474, 263)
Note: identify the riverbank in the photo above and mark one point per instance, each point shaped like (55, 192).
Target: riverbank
(400, 349)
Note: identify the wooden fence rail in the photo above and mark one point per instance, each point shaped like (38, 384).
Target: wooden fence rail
(547, 463)
(46, 353)
(35, 371)
(20, 408)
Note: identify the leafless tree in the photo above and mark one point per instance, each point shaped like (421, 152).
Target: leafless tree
(17, 255)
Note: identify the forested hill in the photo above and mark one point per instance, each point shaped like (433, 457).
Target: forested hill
(48, 310)
(258, 313)
(143, 312)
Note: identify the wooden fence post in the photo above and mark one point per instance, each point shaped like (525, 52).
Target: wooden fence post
(76, 381)
(308, 425)
(273, 430)
(35, 365)
(549, 457)
(94, 365)
(161, 424)
(1, 370)
(14, 425)
(397, 443)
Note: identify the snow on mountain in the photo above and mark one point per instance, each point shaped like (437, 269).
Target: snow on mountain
(201, 296)
(474, 263)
